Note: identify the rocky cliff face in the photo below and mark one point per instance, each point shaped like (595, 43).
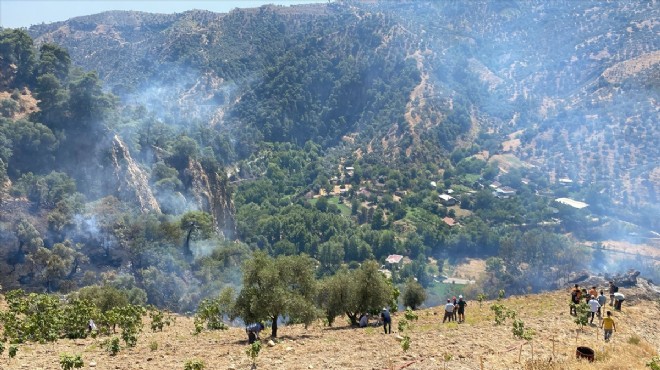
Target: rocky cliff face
(132, 181)
(212, 195)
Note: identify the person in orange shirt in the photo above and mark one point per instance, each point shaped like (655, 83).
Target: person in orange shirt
(608, 326)
(593, 292)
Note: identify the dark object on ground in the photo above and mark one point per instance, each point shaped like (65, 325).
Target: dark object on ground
(585, 352)
(626, 280)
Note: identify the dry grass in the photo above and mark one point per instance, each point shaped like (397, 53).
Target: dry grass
(470, 344)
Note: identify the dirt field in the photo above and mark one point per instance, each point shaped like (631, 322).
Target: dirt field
(433, 345)
(471, 269)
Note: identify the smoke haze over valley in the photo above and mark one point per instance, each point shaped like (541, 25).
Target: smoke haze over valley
(512, 145)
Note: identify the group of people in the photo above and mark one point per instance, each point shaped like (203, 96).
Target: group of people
(597, 301)
(455, 310)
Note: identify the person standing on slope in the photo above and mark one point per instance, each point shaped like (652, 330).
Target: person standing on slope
(594, 306)
(613, 289)
(387, 321)
(602, 300)
(449, 311)
(461, 309)
(608, 326)
(575, 299)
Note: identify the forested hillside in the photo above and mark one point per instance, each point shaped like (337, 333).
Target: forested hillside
(155, 154)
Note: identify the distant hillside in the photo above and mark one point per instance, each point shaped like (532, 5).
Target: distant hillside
(476, 344)
(521, 135)
(567, 77)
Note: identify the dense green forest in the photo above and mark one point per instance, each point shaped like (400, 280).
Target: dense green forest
(104, 191)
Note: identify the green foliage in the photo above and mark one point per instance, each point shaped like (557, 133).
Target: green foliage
(519, 330)
(405, 343)
(354, 292)
(480, 298)
(104, 297)
(213, 311)
(274, 287)
(159, 319)
(112, 346)
(502, 313)
(200, 222)
(582, 314)
(410, 315)
(402, 325)
(16, 47)
(129, 319)
(253, 350)
(13, 350)
(2, 347)
(194, 365)
(654, 363)
(413, 294)
(68, 362)
(75, 318)
(153, 346)
(31, 317)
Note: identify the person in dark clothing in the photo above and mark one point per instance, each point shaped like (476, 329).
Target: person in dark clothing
(387, 321)
(253, 330)
(576, 293)
(613, 289)
(461, 309)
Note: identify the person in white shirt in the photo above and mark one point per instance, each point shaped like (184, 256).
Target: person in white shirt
(594, 305)
(449, 311)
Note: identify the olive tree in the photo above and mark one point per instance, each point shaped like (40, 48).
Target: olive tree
(355, 292)
(277, 287)
(413, 294)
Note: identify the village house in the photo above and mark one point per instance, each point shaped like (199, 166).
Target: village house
(394, 260)
(447, 200)
(449, 221)
(504, 192)
(572, 203)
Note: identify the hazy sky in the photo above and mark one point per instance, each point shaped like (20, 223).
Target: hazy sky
(24, 13)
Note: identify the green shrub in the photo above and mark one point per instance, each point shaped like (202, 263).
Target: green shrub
(502, 313)
(253, 351)
(405, 343)
(13, 349)
(112, 346)
(654, 364)
(68, 362)
(193, 365)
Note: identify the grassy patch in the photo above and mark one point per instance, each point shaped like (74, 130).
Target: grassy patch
(345, 210)
(452, 325)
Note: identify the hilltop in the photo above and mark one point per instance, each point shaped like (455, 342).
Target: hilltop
(433, 345)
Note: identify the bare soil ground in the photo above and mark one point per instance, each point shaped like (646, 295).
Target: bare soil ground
(471, 269)
(470, 345)
(647, 250)
(26, 102)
